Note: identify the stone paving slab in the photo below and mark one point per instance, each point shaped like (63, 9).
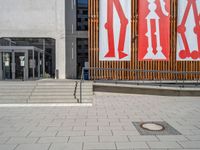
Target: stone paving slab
(66, 146)
(91, 139)
(106, 125)
(33, 147)
(21, 140)
(8, 146)
(164, 145)
(98, 146)
(131, 145)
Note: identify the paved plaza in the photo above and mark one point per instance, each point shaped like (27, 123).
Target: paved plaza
(106, 125)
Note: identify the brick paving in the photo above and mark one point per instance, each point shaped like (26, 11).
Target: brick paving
(107, 125)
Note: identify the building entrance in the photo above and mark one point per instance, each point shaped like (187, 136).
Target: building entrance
(82, 55)
(7, 65)
(20, 63)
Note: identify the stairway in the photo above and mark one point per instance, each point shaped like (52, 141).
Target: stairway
(56, 91)
(15, 92)
(45, 91)
(87, 91)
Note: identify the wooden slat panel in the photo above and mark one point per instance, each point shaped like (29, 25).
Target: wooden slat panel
(171, 65)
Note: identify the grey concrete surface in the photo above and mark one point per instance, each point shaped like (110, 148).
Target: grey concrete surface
(148, 89)
(45, 91)
(107, 125)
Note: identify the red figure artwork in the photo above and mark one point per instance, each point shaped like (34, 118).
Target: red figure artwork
(154, 30)
(189, 36)
(109, 27)
(115, 26)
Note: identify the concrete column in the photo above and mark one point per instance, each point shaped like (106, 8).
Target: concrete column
(61, 38)
(1, 70)
(61, 57)
(13, 65)
(43, 58)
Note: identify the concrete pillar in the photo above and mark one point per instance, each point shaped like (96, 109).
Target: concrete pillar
(61, 38)
(43, 57)
(61, 57)
(1, 70)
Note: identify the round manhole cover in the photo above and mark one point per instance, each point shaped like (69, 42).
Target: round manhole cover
(152, 127)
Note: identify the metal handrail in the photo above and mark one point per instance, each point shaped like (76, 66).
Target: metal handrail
(184, 73)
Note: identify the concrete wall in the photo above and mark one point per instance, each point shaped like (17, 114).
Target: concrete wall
(71, 35)
(36, 18)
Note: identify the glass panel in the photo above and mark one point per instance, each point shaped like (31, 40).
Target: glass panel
(82, 55)
(36, 64)
(41, 65)
(19, 65)
(30, 64)
(7, 65)
(82, 15)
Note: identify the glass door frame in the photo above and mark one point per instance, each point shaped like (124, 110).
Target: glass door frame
(25, 50)
(1, 65)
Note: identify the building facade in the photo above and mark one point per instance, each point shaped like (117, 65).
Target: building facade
(163, 42)
(145, 37)
(53, 26)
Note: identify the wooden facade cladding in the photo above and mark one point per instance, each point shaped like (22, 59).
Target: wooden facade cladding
(134, 64)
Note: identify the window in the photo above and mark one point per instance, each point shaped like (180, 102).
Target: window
(82, 15)
(82, 54)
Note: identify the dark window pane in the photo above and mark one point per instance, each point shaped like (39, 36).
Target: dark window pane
(82, 15)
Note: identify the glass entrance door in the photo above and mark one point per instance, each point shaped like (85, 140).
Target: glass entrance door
(7, 65)
(19, 65)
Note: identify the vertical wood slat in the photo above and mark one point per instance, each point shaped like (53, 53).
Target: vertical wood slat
(171, 65)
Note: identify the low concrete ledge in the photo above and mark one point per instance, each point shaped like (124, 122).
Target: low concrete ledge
(146, 89)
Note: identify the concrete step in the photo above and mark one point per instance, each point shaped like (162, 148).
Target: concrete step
(56, 81)
(85, 94)
(7, 94)
(15, 90)
(45, 91)
(54, 87)
(87, 100)
(13, 101)
(52, 93)
(54, 101)
(17, 83)
(51, 97)
(15, 86)
(13, 97)
(56, 84)
(7, 84)
(54, 90)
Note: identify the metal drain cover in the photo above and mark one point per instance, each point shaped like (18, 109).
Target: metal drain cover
(155, 128)
(152, 126)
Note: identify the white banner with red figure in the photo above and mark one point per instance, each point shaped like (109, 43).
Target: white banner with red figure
(154, 30)
(188, 36)
(115, 30)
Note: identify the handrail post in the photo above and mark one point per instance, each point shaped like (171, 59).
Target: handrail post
(197, 76)
(176, 74)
